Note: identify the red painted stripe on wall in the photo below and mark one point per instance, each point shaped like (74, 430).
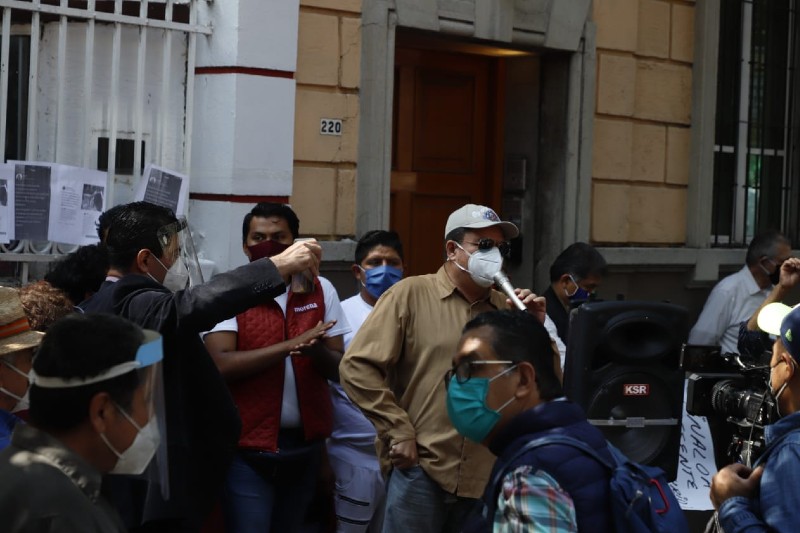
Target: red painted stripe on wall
(251, 71)
(237, 198)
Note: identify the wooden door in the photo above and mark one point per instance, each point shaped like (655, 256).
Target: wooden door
(445, 131)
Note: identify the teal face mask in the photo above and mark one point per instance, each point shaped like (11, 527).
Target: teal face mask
(467, 409)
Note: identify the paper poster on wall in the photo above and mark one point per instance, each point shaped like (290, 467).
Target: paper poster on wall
(696, 465)
(31, 200)
(57, 202)
(6, 203)
(163, 187)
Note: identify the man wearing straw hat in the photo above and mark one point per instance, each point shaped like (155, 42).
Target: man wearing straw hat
(17, 343)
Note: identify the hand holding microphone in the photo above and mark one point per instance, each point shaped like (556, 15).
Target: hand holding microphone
(536, 305)
(502, 281)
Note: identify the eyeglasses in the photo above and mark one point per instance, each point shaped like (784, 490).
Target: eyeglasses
(463, 370)
(488, 244)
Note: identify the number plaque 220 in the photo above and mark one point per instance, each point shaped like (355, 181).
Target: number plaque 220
(330, 126)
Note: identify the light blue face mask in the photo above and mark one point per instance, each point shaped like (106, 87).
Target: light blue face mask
(380, 278)
(467, 409)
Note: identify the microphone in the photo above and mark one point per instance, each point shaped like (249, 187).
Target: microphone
(501, 280)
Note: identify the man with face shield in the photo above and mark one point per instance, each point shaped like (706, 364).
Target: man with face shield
(95, 409)
(393, 371)
(766, 498)
(17, 343)
(149, 248)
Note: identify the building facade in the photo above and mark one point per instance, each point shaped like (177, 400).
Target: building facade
(659, 130)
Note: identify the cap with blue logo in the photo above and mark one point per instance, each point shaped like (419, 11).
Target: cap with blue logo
(473, 216)
(783, 321)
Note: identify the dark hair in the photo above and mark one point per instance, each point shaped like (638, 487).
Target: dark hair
(105, 220)
(267, 210)
(135, 227)
(378, 237)
(81, 272)
(519, 336)
(81, 346)
(579, 259)
(44, 304)
(456, 235)
(764, 245)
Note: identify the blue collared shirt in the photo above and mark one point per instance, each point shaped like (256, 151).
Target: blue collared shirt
(777, 506)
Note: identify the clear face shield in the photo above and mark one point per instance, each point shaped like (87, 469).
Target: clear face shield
(146, 456)
(177, 245)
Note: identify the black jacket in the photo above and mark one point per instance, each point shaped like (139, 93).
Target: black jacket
(203, 425)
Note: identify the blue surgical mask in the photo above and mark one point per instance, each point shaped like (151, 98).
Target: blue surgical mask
(579, 294)
(467, 409)
(380, 278)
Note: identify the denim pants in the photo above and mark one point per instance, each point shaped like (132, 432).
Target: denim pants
(415, 503)
(269, 491)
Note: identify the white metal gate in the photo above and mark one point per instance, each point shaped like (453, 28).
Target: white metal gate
(99, 73)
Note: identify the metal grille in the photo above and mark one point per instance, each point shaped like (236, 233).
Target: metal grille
(78, 77)
(754, 125)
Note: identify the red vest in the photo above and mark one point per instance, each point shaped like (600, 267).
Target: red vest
(260, 397)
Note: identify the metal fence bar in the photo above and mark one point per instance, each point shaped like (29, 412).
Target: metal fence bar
(88, 76)
(166, 66)
(33, 86)
(116, 48)
(4, 66)
(138, 99)
(189, 117)
(116, 17)
(61, 78)
(740, 195)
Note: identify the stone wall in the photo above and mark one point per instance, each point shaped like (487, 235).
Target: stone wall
(327, 76)
(640, 158)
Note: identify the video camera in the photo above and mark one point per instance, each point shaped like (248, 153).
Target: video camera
(732, 388)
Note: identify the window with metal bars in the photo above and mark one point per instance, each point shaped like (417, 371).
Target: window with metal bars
(754, 136)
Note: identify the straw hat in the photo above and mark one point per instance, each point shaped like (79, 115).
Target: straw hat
(15, 330)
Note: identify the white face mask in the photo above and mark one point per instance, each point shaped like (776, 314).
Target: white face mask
(135, 459)
(482, 265)
(177, 277)
(22, 401)
(777, 395)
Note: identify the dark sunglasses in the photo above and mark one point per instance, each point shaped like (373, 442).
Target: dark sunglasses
(488, 244)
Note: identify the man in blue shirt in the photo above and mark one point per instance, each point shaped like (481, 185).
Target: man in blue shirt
(766, 498)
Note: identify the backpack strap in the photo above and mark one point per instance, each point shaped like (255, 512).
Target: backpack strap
(489, 507)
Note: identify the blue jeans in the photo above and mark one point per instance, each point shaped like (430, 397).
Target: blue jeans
(270, 492)
(414, 502)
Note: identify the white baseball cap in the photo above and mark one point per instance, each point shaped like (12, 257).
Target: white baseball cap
(473, 216)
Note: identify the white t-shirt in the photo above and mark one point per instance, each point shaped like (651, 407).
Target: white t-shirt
(290, 410)
(732, 301)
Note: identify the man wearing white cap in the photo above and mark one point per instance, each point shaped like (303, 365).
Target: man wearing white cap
(766, 498)
(394, 371)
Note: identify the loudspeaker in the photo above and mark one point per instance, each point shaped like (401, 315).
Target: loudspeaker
(623, 368)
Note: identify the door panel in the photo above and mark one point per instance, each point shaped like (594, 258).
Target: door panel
(442, 135)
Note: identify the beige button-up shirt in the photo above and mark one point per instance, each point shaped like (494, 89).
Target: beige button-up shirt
(394, 371)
